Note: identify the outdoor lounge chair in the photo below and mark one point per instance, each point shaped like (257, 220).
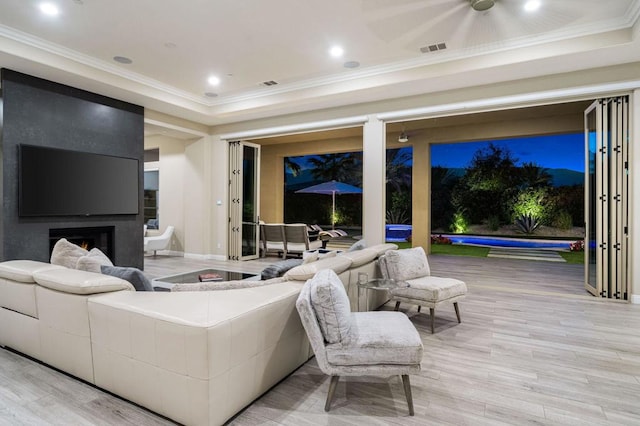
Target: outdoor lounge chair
(273, 239)
(297, 239)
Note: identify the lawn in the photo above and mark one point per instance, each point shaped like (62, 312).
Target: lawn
(453, 249)
(572, 257)
(576, 257)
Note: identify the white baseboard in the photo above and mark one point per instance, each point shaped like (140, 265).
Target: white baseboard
(635, 299)
(205, 256)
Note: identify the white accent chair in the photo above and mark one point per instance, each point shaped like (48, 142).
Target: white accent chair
(159, 242)
(412, 267)
(356, 344)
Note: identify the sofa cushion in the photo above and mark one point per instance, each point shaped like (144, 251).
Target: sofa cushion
(93, 261)
(22, 270)
(278, 269)
(360, 257)
(383, 248)
(405, 264)
(133, 275)
(331, 305)
(79, 282)
(338, 264)
(378, 338)
(431, 289)
(226, 285)
(67, 254)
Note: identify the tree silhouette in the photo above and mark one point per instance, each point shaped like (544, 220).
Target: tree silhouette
(292, 166)
(344, 167)
(398, 169)
(532, 175)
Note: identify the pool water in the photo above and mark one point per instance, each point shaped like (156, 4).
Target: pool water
(400, 233)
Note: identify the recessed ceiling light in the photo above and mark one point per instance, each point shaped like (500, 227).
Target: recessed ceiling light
(122, 59)
(336, 51)
(49, 9)
(532, 5)
(351, 64)
(213, 80)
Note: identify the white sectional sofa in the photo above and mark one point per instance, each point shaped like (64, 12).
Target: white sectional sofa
(195, 357)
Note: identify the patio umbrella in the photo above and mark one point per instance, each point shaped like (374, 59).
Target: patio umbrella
(331, 188)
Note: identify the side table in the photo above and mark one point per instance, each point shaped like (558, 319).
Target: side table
(377, 284)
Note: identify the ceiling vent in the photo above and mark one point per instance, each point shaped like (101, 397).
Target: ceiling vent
(269, 83)
(433, 47)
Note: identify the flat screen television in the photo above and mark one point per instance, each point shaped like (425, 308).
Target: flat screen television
(58, 182)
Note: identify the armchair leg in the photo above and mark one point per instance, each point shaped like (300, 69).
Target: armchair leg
(332, 390)
(455, 305)
(407, 392)
(397, 306)
(432, 313)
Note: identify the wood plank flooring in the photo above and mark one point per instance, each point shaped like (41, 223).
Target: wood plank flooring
(533, 348)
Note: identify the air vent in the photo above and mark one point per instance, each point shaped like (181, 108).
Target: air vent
(433, 47)
(269, 83)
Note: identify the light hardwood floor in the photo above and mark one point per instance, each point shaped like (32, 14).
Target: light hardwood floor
(533, 348)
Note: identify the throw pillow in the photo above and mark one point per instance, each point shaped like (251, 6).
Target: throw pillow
(134, 275)
(358, 245)
(278, 269)
(407, 264)
(331, 305)
(93, 261)
(309, 256)
(312, 256)
(66, 254)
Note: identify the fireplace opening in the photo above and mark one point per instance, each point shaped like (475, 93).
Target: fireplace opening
(87, 237)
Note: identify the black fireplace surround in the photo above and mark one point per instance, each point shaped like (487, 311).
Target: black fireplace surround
(100, 237)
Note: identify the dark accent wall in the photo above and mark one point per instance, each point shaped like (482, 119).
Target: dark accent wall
(40, 112)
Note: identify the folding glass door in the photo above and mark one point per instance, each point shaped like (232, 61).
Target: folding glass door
(244, 175)
(606, 197)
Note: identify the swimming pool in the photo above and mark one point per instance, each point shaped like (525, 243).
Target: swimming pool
(400, 233)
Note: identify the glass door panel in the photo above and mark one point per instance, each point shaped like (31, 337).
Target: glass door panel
(250, 201)
(244, 173)
(591, 149)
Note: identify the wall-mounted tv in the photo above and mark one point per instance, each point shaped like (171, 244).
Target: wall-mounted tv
(58, 182)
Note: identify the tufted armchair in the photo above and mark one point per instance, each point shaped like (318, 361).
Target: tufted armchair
(356, 344)
(411, 266)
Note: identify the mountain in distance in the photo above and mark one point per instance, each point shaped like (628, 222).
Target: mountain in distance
(559, 177)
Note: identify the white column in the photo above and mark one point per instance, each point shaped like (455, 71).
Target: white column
(634, 220)
(373, 181)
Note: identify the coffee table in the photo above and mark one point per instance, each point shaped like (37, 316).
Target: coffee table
(165, 283)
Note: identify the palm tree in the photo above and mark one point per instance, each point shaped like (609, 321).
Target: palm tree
(343, 167)
(292, 166)
(534, 176)
(398, 169)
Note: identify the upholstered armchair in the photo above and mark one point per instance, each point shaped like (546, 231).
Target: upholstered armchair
(355, 344)
(412, 267)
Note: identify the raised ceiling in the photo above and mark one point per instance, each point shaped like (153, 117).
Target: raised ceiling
(175, 45)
